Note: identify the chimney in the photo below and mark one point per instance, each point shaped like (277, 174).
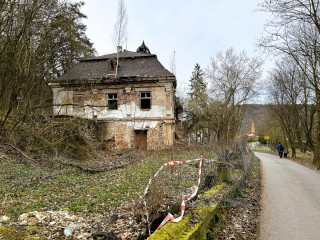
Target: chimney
(252, 128)
(119, 49)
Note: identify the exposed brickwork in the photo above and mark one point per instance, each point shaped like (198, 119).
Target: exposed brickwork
(153, 138)
(120, 124)
(122, 136)
(169, 103)
(112, 66)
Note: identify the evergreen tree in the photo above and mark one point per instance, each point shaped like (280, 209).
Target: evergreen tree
(198, 104)
(197, 84)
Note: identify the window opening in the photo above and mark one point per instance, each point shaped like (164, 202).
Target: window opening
(145, 100)
(78, 101)
(113, 101)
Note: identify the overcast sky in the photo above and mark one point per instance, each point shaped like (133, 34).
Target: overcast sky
(195, 29)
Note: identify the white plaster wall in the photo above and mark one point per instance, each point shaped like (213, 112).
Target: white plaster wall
(62, 97)
(63, 110)
(63, 101)
(126, 111)
(142, 125)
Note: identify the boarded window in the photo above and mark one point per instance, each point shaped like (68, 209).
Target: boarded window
(112, 101)
(141, 139)
(78, 101)
(145, 100)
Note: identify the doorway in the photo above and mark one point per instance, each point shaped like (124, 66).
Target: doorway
(141, 139)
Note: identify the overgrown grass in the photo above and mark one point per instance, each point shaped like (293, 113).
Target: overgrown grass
(26, 188)
(305, 156)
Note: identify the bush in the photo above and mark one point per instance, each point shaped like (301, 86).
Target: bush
(67, 137)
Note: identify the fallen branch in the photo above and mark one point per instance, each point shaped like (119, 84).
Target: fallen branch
(20, 151)
(93, 170)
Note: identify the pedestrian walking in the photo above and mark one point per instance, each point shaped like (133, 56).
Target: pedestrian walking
(280, 148)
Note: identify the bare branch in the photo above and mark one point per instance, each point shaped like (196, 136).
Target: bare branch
(120, 35)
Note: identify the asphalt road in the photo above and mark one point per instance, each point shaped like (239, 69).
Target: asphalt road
(290, 200)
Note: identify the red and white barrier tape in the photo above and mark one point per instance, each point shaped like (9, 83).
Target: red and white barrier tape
(183, 206)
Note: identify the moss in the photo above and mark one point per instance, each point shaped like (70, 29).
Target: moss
(33, 230)
(204, 216)
(10, 233)
(21, 233)
(205, 210)
(181, 230)
(212, 192)
(173, 230)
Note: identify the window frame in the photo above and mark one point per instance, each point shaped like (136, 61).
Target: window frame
(78, 105)
(112, 106)
(145, 98)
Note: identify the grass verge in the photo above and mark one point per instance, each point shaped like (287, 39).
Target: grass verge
(25, 187)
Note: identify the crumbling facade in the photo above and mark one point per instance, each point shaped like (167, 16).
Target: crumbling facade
(130, 92)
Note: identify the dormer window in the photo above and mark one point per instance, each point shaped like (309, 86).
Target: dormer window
(112, 65)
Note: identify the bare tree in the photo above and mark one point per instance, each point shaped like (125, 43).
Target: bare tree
(271, 127)
(294, 30)
(120, 34)
(173, 63)
(286, 12)
(288, 92)
(232, 77)
(39, 41)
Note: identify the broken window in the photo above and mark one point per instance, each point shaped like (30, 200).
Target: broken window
(145, 100)
(113, 101)
(78, 101)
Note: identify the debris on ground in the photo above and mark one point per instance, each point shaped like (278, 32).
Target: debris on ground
(243, 219)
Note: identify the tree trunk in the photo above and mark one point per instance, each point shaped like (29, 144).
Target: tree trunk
(316, 159)
(316, 154)
(294, 154)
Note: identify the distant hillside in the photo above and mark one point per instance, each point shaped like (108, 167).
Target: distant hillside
(256, 113)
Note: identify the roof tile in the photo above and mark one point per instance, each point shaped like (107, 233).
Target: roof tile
(131, 64)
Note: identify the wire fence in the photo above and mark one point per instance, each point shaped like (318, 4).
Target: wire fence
(179, 179)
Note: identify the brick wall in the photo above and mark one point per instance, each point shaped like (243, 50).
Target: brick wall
(121, 123)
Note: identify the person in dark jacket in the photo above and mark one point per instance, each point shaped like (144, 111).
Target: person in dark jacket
(280, 148)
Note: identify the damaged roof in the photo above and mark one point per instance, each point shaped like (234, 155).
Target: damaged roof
(141, 64)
